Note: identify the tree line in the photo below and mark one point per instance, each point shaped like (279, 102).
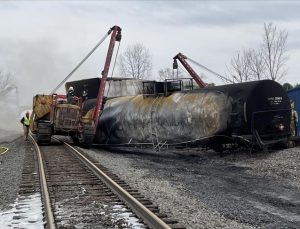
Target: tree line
(266, 61)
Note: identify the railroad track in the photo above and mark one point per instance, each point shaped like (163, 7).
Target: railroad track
(78, 191)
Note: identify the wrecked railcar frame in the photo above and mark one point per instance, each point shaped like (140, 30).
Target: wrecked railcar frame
(251, 113)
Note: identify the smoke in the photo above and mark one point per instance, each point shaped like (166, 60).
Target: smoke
(9, 112)
(37, 66)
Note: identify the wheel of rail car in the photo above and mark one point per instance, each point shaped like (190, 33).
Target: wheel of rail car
(283, 144)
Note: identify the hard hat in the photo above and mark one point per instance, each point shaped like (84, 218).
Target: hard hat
(71, 88)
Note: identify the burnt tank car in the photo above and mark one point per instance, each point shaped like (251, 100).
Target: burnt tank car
(206, 116)
(259, 106)
(181, 117)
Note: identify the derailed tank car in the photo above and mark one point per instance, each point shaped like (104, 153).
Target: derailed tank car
(261, 106)
(177, 118)
(253, 112)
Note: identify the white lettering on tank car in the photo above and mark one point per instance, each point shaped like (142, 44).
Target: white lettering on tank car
(275, 100)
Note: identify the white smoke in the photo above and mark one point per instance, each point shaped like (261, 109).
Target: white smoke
(10, 114)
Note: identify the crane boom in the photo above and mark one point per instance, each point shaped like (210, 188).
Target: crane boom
(115, 36)
(182, 58)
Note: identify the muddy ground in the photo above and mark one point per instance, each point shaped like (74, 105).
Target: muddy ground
(204, 190)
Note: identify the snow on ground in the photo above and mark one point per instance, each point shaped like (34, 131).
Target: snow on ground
(26, 212)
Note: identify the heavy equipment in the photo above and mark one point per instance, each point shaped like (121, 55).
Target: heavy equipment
(252, 114)
(183, 60)
(52, 114)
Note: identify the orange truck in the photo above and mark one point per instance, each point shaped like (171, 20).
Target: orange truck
(52, 115)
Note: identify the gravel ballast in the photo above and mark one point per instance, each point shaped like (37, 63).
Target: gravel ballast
(11, 166)
(209, 191)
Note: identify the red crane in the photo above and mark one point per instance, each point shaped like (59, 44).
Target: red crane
(115, 36)
(182, 58)
(55, 115)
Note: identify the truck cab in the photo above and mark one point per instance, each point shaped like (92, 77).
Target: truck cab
(52, 115)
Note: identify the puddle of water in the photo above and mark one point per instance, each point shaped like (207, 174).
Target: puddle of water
(26, 212)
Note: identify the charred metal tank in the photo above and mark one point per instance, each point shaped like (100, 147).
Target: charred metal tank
(203, 115)
(166, 115)
(179, 117)
(262, 105)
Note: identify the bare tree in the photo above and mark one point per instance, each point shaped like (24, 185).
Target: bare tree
(239, 69)
(165, 73)
(135, 62)
(7, 83)
(274, 51)
(267, 63)
(256, 63)
(168, 73)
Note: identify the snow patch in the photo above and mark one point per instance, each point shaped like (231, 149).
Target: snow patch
(26, 212)
(122, 213)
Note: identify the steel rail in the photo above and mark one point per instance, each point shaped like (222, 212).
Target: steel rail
(50, 223)
(144, 213)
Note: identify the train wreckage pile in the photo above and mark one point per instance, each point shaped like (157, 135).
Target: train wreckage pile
(169, 113)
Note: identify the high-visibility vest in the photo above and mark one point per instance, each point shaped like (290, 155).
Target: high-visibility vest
(26, 121)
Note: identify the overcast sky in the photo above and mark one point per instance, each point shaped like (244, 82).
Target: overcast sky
(40, 42)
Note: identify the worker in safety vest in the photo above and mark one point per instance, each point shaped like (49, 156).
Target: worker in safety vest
(294, 119)
(26, 123)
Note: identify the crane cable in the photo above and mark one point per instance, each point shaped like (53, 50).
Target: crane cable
(82, 61)
(113, 69)
(211, 71)
(183, 70)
